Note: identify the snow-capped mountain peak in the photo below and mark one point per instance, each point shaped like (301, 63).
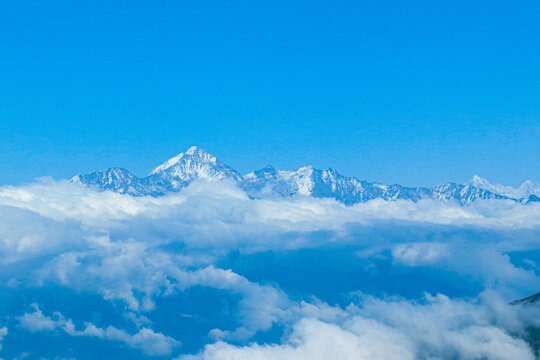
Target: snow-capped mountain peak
(525, 190)
(478, 182)
(201, 155)
(195, 164)
(116, 179)
(194, 153)
(530, 187)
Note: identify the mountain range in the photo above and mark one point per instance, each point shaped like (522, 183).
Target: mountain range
(194, 164)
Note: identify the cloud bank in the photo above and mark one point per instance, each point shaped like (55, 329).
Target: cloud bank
(437, 328)
(208, 273)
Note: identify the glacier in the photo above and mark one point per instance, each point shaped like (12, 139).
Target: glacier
(196, 164)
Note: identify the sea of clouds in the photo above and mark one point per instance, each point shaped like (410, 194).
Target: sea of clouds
(208, 273)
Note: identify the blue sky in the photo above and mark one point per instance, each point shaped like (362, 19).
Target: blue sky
(410, 92)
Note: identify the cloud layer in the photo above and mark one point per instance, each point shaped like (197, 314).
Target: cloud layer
(147, 270)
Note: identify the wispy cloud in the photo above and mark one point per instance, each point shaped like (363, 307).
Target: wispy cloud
(145, 339)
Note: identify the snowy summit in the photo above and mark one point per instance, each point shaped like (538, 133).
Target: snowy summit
(196, 163)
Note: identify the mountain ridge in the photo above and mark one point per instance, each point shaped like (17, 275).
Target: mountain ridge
(194, 164)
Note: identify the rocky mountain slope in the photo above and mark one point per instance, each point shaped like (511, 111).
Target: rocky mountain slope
(179, 171)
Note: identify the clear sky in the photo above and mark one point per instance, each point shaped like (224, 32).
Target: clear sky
(410, 92)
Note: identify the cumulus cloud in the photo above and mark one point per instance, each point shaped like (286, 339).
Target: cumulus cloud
(136, 274)
(437, 328)
(145, 339)
(312, 339)
(134, 252)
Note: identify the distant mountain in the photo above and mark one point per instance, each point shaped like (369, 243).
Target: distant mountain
(529, 300)
(115, 179)
(528, 190)
(194, 164)
(181, 170)
(329, 183)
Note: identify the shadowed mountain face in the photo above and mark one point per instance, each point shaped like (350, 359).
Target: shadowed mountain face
(533, 333)
(529, 300)
(195, 164)
(173, 175)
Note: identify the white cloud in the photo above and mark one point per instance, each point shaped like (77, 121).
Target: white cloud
(37, 321)
(135, 250)
(145, 339)
(131, 272)
(313, 339)
(438, 328)
(221, 200)
(420, 253)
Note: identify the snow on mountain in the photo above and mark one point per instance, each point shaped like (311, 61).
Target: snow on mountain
(195, 164)
(309, 181)
(172, 175)
(179, 171)
(465, 194)
(525, 191)
(115, 179)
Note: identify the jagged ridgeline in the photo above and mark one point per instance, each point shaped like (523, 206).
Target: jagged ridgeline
(194, 164)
